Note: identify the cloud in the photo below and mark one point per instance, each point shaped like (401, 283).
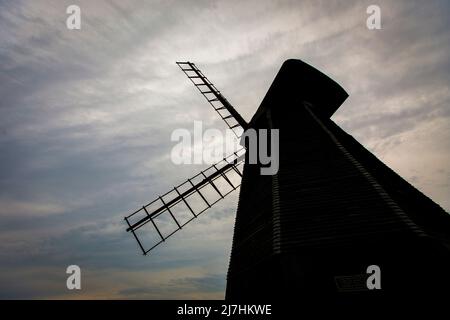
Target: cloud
(29, 209)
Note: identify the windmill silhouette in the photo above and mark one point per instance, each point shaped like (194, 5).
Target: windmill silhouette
(330, 211)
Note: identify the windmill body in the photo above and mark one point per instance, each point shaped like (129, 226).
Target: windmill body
(332, 209)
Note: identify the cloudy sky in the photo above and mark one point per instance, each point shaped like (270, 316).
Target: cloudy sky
(86, 118)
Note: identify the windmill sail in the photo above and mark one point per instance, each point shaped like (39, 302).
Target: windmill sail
(155, 222)
(220, 104)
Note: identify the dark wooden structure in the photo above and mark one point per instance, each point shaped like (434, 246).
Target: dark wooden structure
(332, 209)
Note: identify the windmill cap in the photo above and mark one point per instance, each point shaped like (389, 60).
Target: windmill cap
(296, 82)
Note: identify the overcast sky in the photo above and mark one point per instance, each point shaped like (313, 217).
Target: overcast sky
(86, 118)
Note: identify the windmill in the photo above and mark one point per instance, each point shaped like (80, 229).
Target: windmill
(313, 228)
